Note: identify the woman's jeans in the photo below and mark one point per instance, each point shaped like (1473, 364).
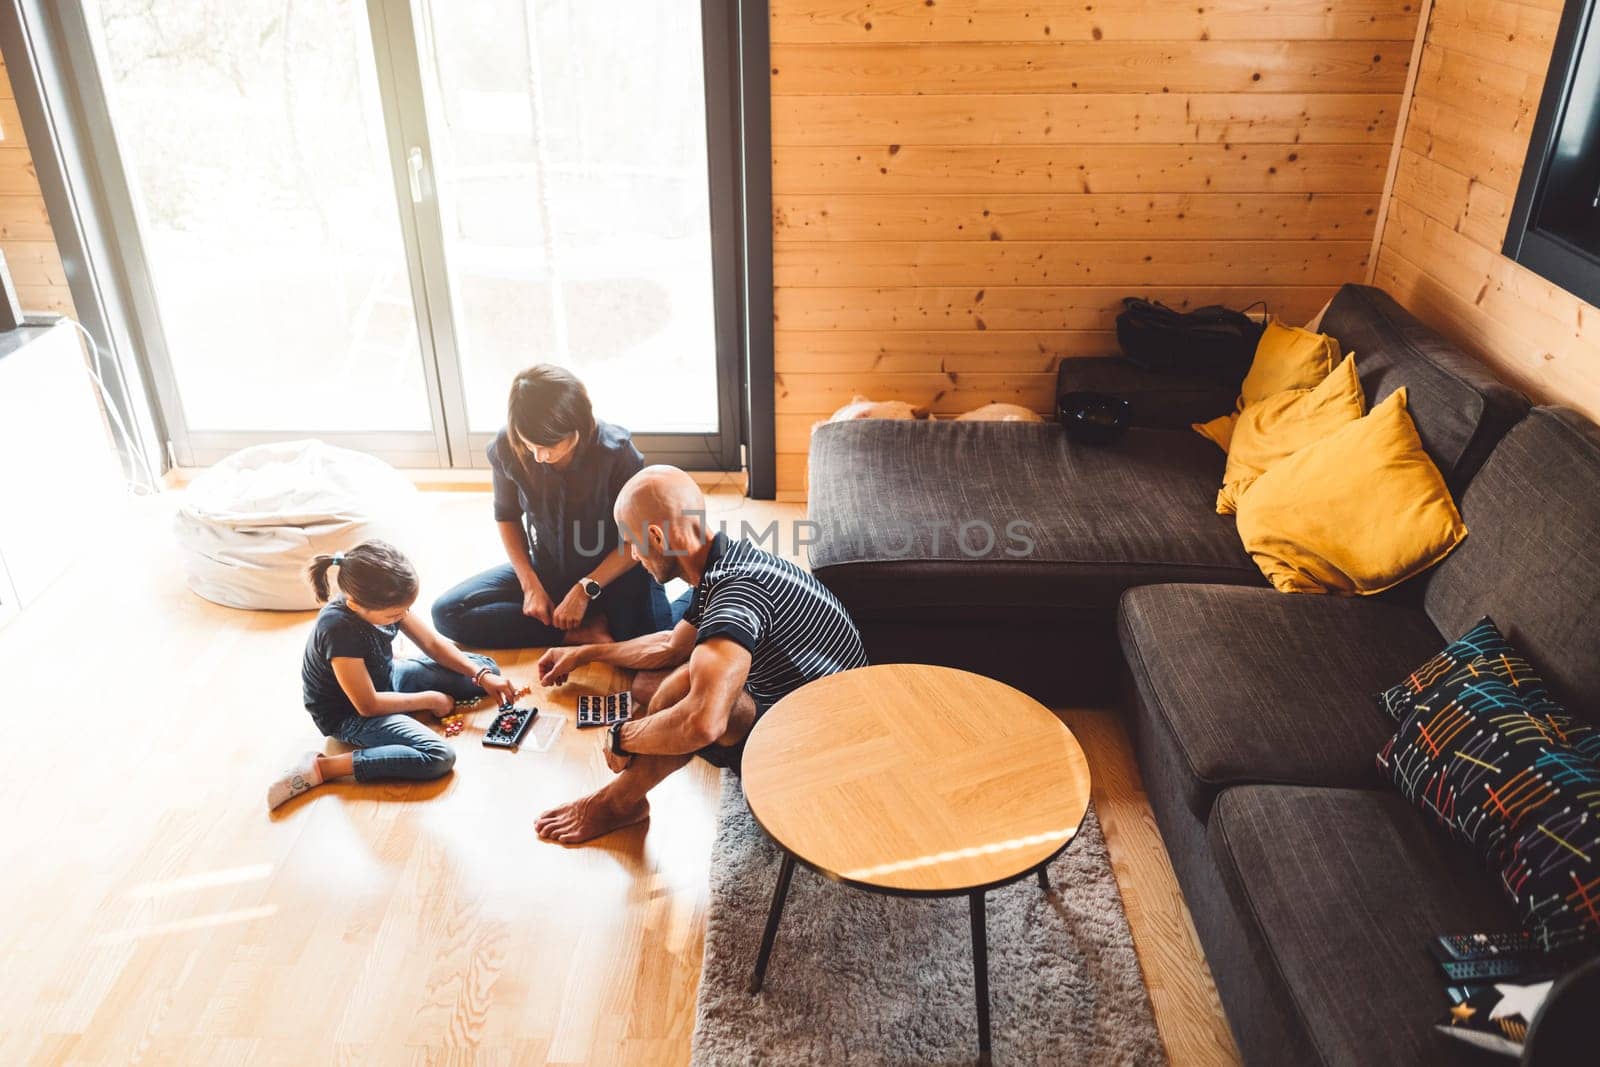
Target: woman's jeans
(398, 746)
(485, 611)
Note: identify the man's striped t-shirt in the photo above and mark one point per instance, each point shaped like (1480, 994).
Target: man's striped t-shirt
(794, 629)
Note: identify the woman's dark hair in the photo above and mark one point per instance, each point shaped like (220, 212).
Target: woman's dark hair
(374, 574)
(547, 403)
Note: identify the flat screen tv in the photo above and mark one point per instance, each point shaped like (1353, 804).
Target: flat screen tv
(1555, 220)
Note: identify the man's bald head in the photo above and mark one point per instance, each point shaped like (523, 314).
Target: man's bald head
(662, 514)
(658, 494)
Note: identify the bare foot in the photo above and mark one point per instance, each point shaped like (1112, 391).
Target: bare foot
(595, 632)
(587, 818)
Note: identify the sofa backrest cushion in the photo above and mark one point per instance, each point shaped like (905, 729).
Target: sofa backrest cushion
(1460, 408)
(1532, 558)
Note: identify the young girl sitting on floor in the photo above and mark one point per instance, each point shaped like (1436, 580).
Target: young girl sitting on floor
(358, 692)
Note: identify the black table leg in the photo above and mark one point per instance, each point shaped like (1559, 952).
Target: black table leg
(1044, 879)
(980, 971)
(773, 917)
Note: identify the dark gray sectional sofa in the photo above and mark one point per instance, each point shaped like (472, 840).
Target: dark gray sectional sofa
(1314, 885)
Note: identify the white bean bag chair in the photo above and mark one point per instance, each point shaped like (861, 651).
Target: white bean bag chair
(249, 525)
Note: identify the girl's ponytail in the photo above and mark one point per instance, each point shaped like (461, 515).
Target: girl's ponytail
(318, 573)
(374, 574)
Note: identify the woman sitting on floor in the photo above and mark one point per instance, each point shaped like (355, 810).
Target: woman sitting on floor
(557, 471)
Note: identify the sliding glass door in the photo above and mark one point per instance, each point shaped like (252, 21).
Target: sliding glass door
(356, 219)
(570, 154)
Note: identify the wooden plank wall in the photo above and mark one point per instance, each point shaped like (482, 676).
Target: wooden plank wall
(963, 189)
(25, 235)
(1477, 94)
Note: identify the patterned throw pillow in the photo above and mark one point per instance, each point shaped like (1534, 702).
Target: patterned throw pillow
(1468, 751)
(1485, 640)
(1551, 865)
(1498, 776)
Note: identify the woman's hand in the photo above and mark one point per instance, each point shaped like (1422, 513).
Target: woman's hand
(569, 613)
(503, 689)
(536, 603)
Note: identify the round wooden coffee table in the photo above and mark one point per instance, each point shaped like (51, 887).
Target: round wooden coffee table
(915, 780)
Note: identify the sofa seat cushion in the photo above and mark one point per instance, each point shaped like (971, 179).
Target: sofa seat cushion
(1251, 686)
(1341, 891)
(970, 521)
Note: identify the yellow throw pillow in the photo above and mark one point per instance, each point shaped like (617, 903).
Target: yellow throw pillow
(1287, 357)
(1281, 425)
(1356, 513)
(1219, 431)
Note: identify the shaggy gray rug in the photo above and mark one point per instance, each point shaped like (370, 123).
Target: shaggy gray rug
(864, 978)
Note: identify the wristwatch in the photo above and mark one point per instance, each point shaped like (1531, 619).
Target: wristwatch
(614, 740)
(591, 587)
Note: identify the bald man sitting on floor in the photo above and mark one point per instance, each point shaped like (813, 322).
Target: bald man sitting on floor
(758, 628)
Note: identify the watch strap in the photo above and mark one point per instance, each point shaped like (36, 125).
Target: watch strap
(614, 739)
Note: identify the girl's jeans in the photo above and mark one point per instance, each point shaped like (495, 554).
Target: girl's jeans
(398, 746)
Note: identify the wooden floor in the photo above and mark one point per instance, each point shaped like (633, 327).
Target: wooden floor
(151, 911)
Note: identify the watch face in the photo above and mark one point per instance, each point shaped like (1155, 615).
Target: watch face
(591, 587)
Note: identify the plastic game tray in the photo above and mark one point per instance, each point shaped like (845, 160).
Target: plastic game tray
(603, 710)
(508, 727)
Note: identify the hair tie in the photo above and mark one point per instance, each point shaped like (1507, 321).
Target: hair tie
(338, 559)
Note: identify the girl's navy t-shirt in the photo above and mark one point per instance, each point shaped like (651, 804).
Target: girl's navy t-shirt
(339, 631)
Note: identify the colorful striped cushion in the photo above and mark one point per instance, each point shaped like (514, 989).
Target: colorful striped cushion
(1498, 775)
(1421, 688)
(1484, 640)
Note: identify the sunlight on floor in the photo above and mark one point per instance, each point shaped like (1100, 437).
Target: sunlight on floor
(155, 910)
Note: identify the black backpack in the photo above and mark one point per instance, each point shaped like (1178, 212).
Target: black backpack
(1211, 342)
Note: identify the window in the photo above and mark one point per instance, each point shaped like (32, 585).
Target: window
(358, 218)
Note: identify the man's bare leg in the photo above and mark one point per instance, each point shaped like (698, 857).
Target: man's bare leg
(623, 801)
(620, 802)
(643, 689)
(660, 690)
(740, 721)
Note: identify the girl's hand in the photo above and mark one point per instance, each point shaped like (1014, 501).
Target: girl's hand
(569, 614)
(437, 703)
(503, 689)
(536, 604)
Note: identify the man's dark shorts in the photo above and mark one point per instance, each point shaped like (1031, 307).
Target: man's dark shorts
(731, 757)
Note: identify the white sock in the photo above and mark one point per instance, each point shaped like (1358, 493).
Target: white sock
(303, 777)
